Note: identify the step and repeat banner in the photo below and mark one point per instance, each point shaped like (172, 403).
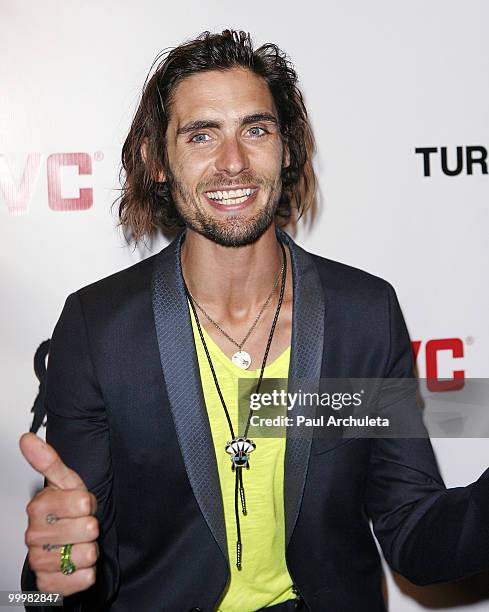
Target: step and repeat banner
(398, 95)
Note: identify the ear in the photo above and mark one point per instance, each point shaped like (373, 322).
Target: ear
(286, 156)
(161, 178)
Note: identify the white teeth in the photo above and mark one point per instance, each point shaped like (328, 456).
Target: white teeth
(231, 195)
(236, 200)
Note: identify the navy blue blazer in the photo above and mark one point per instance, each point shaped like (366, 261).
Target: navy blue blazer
(126, 411)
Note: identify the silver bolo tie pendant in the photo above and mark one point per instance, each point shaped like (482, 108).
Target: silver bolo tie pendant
(239, 450)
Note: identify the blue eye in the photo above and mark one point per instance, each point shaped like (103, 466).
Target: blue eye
(255, 131)
(199, 138)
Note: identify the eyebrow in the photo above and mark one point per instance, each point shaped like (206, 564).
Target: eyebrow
(201, 124)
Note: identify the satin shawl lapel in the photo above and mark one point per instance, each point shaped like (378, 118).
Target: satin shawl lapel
(181, 373)
(305, 363)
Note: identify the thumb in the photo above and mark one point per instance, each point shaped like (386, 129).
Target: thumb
(47, 462)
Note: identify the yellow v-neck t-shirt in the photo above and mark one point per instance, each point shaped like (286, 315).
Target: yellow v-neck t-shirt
(263, 579)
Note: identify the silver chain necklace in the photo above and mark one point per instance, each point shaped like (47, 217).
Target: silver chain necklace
(242, 358)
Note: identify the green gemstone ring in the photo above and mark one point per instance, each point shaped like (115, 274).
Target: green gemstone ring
(66, 564)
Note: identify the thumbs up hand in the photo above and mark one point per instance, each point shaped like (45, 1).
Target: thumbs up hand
(61, 513)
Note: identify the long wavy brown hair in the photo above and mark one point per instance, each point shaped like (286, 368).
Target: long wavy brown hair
(146, 205)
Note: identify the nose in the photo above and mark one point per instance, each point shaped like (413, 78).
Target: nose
(231, 157)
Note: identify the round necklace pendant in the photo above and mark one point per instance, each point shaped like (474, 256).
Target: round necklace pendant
(242, 359)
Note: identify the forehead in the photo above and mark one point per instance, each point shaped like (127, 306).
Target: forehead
(230, 93)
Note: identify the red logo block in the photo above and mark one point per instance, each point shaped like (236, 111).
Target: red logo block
(432, 348)
(18, 196)
(54, 164)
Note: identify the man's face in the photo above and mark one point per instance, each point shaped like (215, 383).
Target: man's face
(225, 155)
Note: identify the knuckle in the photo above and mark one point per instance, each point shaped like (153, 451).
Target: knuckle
(40, 508)
(33, 559)
(85, 503)
(34, 507)
(40, 504)
(92, 554)
(91, 576)
(44, 583)
(91, 527)
(29, 537)
(39, 583)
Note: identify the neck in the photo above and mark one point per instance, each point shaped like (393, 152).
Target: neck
(231, 280)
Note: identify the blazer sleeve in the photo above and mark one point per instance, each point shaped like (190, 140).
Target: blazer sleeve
(77, 428)
(428, 533)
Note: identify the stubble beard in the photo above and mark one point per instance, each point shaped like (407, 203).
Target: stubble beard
(235, 230)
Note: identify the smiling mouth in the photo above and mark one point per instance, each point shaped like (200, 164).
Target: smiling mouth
(231, 196)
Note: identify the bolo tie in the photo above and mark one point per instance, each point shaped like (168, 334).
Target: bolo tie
(240, 447)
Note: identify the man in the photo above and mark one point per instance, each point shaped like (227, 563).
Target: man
(141, 390)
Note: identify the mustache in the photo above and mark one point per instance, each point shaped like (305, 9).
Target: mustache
(245, 178)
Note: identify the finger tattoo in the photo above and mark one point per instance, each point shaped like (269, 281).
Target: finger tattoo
(51, 518)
